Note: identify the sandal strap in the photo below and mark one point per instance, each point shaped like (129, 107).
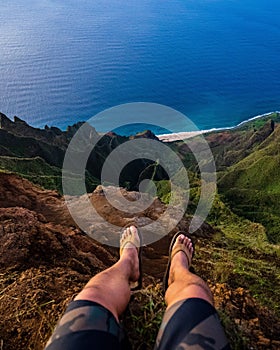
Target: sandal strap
(182, 248)
(131, 240)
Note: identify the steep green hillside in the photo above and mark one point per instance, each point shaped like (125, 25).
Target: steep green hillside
(231, 146)
(247, 162)
(38, 171)
(252, 185)
(33, 169)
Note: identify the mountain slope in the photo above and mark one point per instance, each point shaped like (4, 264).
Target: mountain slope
(252, 185)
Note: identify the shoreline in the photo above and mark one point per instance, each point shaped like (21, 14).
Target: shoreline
(188, 134)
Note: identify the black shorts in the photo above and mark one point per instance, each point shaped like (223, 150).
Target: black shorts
(188, 324)
(191, 324)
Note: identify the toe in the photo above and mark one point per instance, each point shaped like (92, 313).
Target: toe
(188, 243)
(133, 229)
(124, 235)
(131, 237)
(181, 239)
(190, 246)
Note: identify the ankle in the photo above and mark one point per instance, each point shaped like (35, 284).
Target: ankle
(129, 253)
(180, 261)
(130, 264)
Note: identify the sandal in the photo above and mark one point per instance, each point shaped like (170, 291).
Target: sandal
(172, 252)
(138, 244)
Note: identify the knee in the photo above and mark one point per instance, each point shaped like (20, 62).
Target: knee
(179, 291)
(90, 293)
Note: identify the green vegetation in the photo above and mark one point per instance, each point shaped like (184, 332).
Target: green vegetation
(246, 258)
(252, 186)
(258, 123)
(34, 169)
(241, 255)
(144, 316)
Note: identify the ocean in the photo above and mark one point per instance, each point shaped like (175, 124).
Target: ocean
(63, 61)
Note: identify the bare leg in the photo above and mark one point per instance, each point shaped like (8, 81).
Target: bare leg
(182, 283)
(191, 323)
(110, 288)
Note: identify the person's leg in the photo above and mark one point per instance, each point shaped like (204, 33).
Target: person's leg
(110, 288)
(92, 319)
(190, 320)
(183, 284)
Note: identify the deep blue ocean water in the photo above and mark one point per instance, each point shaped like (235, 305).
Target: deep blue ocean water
(63, 61)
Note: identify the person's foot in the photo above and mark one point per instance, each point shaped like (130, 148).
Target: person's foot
(129, 245)
(180, 259)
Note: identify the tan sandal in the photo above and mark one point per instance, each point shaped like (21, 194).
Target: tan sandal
(138, 244)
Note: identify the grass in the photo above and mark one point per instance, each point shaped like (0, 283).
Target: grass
(35, 170)
(240, 254)
(252, 186)
(38, 171)
(143, 317)
(250, 261)
(260, 122)
(233, 332)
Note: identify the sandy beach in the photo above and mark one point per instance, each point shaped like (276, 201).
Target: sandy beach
(179, 136)
(188, 134)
